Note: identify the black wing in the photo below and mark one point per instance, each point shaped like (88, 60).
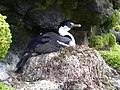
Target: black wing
(53, 43)
(44, 43)
(40, 39)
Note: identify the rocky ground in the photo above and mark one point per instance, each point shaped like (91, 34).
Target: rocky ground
(79, 68)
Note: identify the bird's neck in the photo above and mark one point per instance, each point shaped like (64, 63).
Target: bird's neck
(64, 32)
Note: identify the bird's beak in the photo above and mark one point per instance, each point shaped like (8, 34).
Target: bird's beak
(75, 25)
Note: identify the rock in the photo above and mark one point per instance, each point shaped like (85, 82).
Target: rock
(29, 18)
(75, 68)
(21, 8)
(90, 12)
(11, 60)
(49, 18)
(116, 83)
(3, 73)
(116, 4)
(7, 66)
(41, 85)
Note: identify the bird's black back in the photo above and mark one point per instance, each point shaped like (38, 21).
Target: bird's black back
(47, 42)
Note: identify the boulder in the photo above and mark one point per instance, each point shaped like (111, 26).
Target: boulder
(7, 67)
(68, 69)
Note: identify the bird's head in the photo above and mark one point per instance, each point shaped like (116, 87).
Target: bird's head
(66, 25)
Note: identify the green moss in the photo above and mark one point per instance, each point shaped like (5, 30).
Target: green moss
(117, 28)
(112, 21)
(99, 42)
(112, 40)
(71, 10)
(67, 7)
(105, 39)
(5, 37)
(5, 87)
(112, 57)
(96, 42)
(41, 4)
(109, 39)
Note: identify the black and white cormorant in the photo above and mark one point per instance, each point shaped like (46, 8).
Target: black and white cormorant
(49, 42)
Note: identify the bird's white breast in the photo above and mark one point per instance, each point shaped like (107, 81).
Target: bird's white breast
(64, 31)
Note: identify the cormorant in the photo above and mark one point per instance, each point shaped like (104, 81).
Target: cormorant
(49, 42)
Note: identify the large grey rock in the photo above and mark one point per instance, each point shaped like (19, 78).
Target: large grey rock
(7, 66)
(3, 72)
(75, 68)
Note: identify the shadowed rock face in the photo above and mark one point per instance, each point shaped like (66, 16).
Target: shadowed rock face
(28, 17)
(48, 14)
(116, 4)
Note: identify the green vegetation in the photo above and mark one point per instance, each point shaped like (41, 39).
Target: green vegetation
(5, 87)
(112, 21)
(118, 1)
(99, 42)
(117, 28)
(96, 41)
(5, 37)
(109, 39)
(112, 56)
